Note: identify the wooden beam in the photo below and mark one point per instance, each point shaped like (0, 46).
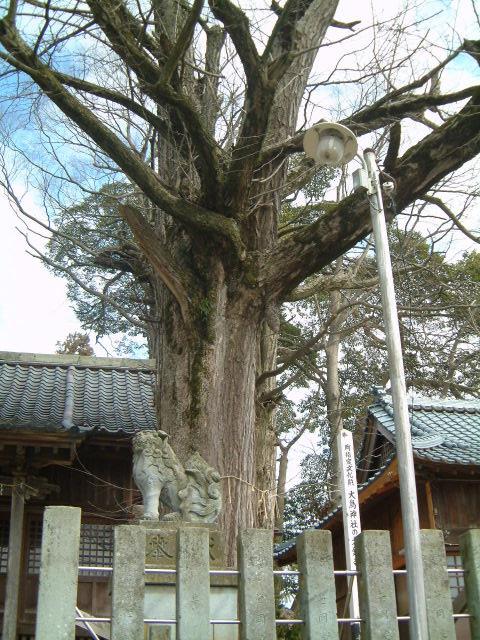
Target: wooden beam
(430, 509)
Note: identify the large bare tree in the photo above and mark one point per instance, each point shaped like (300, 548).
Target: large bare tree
(198, 106)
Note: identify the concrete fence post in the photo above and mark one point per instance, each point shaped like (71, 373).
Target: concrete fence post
(470, 548)
(317, 586)
(193, 583)
(437, 593)
(376, 588)
(128, 582)
(256, 597)
(57, 594)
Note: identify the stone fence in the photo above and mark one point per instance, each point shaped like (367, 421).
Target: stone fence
(256, 615)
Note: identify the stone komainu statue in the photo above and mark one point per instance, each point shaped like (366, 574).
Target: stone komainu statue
(193, 493)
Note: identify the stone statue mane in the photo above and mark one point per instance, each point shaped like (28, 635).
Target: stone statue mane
(193, 493)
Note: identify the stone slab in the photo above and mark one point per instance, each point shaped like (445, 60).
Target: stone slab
(317, 586)
(470, 548)
(256, 591)
(437, 592)
(193, 583)
(128, 583)
(161, 544)
(57, 593)
(378, 607)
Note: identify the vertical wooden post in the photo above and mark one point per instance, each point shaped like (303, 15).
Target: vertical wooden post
(376, 587)
(439, 602)
(317, 586)
(193, 584)
(57, 594)
(470, 548)
(15, 545)
(128, 582)
(256, 597)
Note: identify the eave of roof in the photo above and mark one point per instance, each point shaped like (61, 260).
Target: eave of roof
(443, 431)
(57, 359)
(384, 479)
(76, 394)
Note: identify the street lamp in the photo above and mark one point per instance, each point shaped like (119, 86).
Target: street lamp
(330, 144)
(326, 143)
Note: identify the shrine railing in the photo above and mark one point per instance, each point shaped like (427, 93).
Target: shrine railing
(57, 612)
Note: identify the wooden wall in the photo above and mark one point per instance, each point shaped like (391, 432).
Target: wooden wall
(456, 503)
(99, 481)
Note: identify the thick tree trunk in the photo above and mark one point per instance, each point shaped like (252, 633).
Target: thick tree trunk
(206, 390)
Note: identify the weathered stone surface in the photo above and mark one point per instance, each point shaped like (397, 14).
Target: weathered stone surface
(159, 632)
(256, 593)
(193, 492)
(317, 586)
(57, 593)
(193, 584)
(376, 587)
(128, 583)
(470, 548)
(160, 589)
(161, 545)
(437, 592)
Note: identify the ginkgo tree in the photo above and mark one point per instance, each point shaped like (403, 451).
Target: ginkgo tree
(201, 107)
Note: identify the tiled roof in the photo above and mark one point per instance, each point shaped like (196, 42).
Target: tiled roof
(444, 431)
(76, 393)
(283, 548)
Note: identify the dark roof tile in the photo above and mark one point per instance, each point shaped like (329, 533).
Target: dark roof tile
(445, 431)
(112, 395)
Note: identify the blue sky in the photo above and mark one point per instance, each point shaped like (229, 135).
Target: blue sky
(34, 311)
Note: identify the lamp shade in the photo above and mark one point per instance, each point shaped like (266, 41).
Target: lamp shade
(330, 144)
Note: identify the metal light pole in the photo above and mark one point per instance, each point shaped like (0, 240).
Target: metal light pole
(333, 144)
(403, 438)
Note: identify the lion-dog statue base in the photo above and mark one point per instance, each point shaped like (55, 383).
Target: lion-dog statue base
(193, 493)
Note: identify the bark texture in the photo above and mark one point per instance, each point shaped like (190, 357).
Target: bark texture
(207, 236)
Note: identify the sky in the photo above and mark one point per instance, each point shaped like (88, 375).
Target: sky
(34, 310)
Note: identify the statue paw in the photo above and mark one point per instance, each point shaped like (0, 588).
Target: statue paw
(170, 517)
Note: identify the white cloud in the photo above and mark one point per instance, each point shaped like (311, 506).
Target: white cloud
(34, 310)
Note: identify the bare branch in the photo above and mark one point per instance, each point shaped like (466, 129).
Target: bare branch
(306, 251)
(190, 214)
(183, 41)
(159, 257)
(441, 205)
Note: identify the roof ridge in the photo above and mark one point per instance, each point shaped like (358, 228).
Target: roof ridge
(425, 403)
(57, 359)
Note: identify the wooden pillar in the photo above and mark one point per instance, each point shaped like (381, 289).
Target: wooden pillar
(15, 545)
